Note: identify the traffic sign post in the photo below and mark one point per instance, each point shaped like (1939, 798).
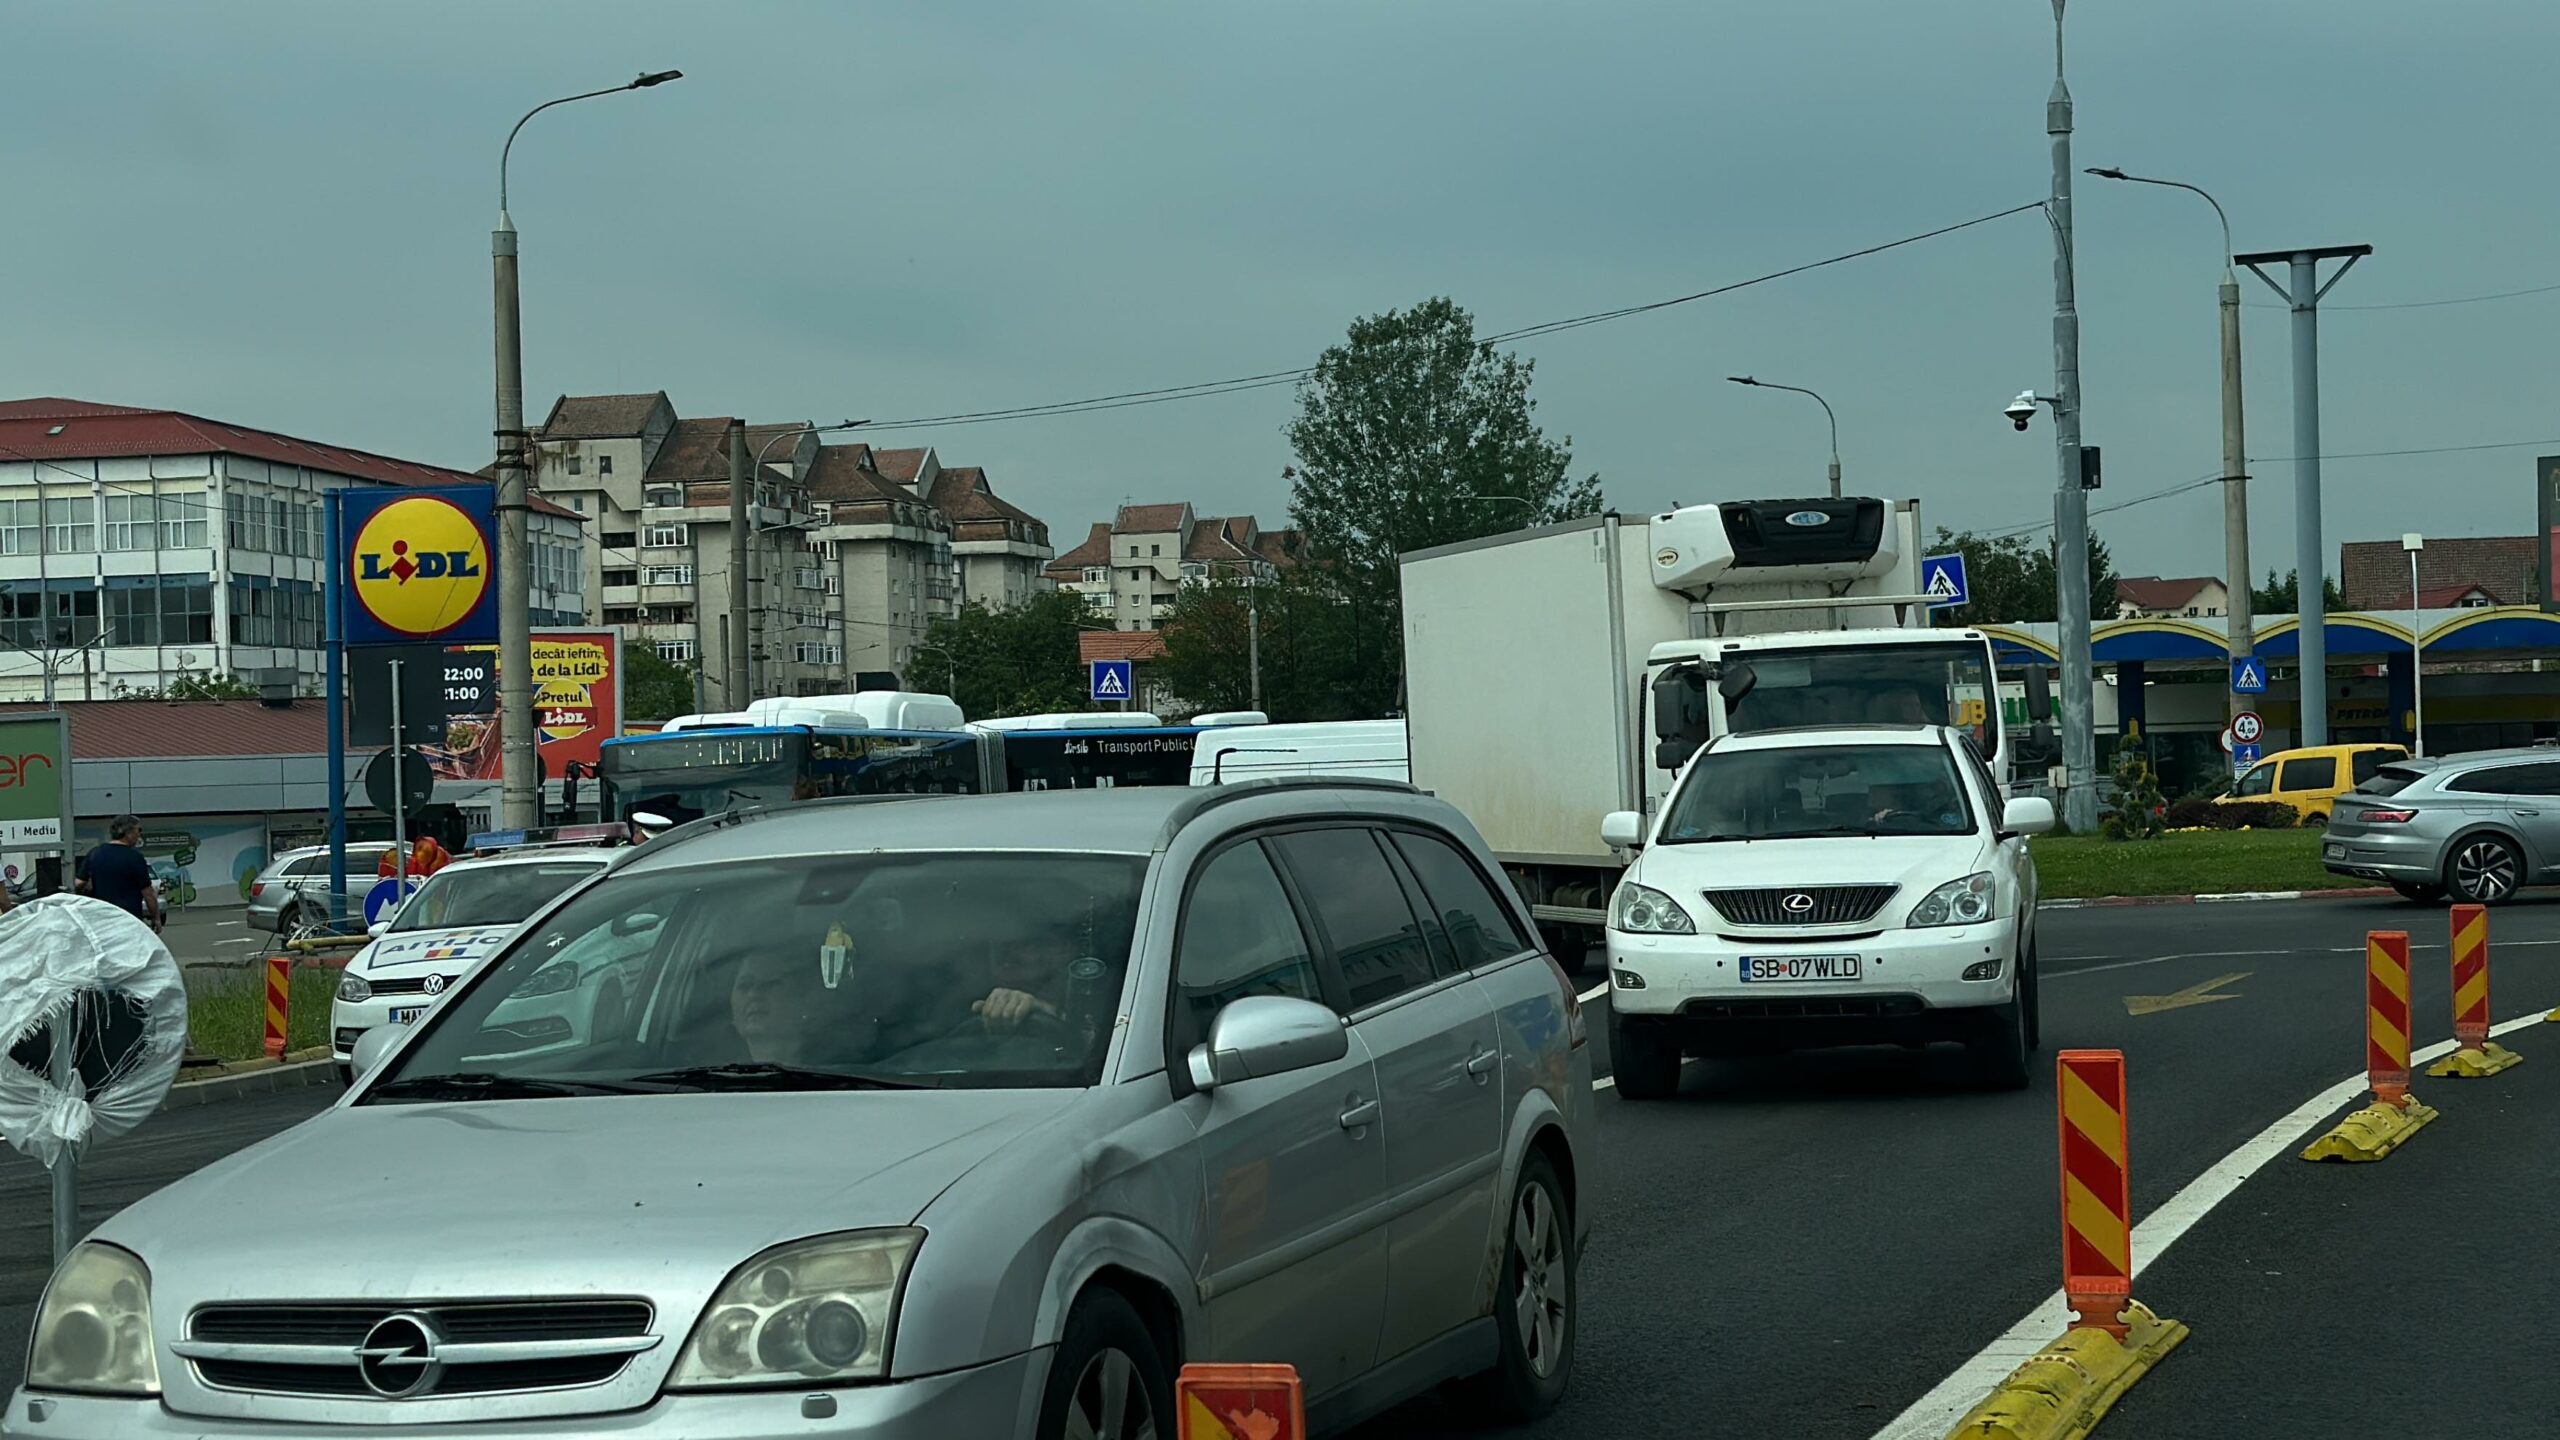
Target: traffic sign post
(1942, 580)
(1113, 679)
(2249, 676)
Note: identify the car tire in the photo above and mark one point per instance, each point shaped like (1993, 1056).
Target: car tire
(2484, 870)
(288, 920)
(1534, 1306)
(2422, 894)
(1643, 1060)
(1999, 1049)
(1105, 1378)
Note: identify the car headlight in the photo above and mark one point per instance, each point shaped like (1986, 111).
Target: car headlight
(93, 1332)
(1643, 910)
(549, 980)
(813, 1310)
(354, 988)
(1958, 902)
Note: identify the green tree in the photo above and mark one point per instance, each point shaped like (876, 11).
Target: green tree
(2012, 580)
(655, 687)
(192, 687)
(1413, 433)
(1018, 661)
(2284, 597)
(1309, 637)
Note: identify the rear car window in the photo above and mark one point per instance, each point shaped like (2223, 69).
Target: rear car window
(1345, 880)
(2317, 772)
(2536, 779)
(2390, 780)
(1478, 925)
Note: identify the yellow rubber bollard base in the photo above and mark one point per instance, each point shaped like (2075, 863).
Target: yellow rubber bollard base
(2067, 1388)
(2470, 1064)
(2372, 1132)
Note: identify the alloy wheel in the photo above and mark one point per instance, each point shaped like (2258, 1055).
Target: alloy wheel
(2485, 870)
(1540, 1290)
(1110, 1401)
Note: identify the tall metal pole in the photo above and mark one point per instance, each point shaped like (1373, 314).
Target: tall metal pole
(333, 640)
(2070, 502)
(2417, 653)
(1253, 636)
(520, 772)
(66, 1166)
(2241, 602)
(741, 679)
(2310, 590)
(399, 791)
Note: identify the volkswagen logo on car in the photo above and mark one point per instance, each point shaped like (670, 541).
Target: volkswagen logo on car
(433, 985)
(398, 1357)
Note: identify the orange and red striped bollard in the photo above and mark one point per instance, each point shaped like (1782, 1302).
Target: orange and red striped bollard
(2475, 1054)
(2097, 1194)
(279, 1000)
(2379, 1128)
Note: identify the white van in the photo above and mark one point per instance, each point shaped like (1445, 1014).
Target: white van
(1372, 748)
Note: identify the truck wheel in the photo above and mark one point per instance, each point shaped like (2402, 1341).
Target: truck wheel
(1999, 1049)
(1573, 949)
(1643, 1059)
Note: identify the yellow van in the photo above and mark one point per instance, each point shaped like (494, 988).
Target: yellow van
(2311, 780)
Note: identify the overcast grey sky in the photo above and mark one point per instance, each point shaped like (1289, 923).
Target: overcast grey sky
(278, 214)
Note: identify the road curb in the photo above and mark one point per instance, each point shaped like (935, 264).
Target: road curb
(2234, 897)
(264, 1080)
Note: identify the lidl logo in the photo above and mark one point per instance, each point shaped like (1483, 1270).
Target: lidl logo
(420, 566)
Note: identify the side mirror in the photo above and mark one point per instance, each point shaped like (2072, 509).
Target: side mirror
(2027, 815)
(378, 928)
(1737, 680)
(1622, 829)
(1263, 1035)
(370, 1047)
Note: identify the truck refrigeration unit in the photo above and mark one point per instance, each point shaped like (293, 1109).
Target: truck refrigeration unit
(1557, 674)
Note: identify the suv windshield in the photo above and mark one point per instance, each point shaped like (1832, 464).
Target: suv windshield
(487, 894)
(1828, 790)
(1899, 684)
(985, 969)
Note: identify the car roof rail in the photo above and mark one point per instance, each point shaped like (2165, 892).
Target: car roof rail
(1209, 797)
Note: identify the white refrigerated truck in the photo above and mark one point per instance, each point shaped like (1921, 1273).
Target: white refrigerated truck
(1557, 674)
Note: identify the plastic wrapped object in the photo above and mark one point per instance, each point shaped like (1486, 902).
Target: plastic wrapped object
(72, 958)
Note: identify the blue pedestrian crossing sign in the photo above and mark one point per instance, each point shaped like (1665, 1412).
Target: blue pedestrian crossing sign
(1942, 580)
(2249, 676)
(1112, 679)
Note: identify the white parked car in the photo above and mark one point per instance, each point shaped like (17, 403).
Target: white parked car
(458, 918)
(1844, 885)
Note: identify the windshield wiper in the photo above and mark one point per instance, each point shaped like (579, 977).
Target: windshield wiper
(761, 1075)
(1706, 839)
(489, 1085)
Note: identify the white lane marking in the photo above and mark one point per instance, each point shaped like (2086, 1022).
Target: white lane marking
(1930, 1417)
(2164, 959)
(1594, 993)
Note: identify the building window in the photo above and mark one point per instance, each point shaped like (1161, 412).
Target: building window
(1155, 551)
(604, 464)
(804, 577)
(1163, 599)
(130, 521)
(1194, 570)
(578, 503)
(616, 539)
(670, 574)
(835, 584)
(660, 537)
(812, 652)
(613, 578)
(679, 651)
(1096, 575)
(183, 522)
(573, 462)
(69, 524)
(666, 497)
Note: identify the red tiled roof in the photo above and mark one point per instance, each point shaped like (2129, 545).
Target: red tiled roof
(91, 431)
(771, 442)
(1138, 645)
(1210, 539)
(902, 466)
(601, 417)
(2374, 574)
(2150, 592)
(192, 729)
(1095, 550)
(2446, 597)
(842, 475)
(694, 450)
(1281, 547)
(1150, 519)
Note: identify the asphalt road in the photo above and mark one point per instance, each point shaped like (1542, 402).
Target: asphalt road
(1805, 1246)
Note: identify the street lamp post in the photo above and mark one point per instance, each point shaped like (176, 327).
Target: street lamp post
(2070, 500)
(2416, 544)
(1826, 414)
(2235, 447)
(521, 777)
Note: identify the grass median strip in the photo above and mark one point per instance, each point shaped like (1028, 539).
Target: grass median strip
(226, 1010)
(2183, 862)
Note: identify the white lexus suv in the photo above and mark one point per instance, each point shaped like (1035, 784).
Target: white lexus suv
(1844, 885)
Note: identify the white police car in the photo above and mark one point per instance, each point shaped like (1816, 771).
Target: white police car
(459, 917)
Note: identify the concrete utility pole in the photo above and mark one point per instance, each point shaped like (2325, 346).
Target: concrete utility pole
(2416, 544)
(2243, 640)
(1826, 414)
(741, 679)
(2310, 593)
(2070, 501)
(519, 768)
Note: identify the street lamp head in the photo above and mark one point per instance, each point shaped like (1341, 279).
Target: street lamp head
(656, 77)
(2413, 542)
(1742, 380)
(2106, 172)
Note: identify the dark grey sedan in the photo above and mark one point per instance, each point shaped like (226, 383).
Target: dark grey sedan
(2476, 827)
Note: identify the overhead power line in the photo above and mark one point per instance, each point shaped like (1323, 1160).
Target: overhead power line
(2215, 478)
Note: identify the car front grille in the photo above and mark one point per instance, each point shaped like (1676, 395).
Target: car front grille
(1798, 905)
(408, 984)
(482, 1347)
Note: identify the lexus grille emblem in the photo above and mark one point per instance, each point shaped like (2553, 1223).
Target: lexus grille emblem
(1798, 903)
(398, 1357)
(434, 985)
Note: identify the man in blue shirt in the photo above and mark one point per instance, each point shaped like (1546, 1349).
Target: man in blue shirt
(117, 873)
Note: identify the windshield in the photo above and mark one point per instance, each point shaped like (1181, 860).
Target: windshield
(1829, 790)
(487, 894)
(2259, 781)
(1906, 684)
(976, 969)
(685, 776)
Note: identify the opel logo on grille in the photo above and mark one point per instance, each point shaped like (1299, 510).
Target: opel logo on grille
(398, 1357)
(1798, 903)
(434, 985)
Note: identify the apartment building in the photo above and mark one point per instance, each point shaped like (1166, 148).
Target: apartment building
(1131, 569)
(855, 551)
(139, 547)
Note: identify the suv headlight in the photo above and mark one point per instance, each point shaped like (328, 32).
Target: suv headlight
(354, 988)
(813, 1310)
(93, 1332)
(1643, 910)
(1958, 902)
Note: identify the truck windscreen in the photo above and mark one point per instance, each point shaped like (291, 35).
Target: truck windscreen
(1909, 684)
